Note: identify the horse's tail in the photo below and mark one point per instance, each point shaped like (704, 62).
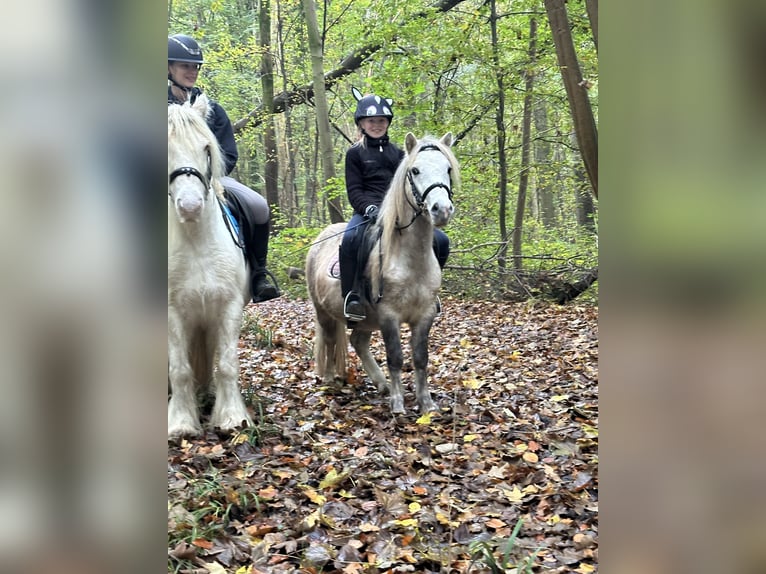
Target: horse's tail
(330, 350)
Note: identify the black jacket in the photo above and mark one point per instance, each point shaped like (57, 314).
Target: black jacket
(220, 125)
(369, 171)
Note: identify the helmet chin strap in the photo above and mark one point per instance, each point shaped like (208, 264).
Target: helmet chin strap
(190, 95)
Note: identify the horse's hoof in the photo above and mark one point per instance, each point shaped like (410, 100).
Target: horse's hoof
(180, 432)
(231, 424)
(397, 406)
(429, 407)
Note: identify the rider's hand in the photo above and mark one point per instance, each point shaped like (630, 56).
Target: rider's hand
(371, 212)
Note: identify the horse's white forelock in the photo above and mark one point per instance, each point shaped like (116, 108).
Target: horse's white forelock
(187, 124)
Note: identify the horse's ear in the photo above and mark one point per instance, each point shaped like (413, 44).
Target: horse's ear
(447, 139)
(357, 93)
(410, 142)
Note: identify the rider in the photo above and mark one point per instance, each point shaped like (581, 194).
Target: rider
(370, 166)
(249, 208)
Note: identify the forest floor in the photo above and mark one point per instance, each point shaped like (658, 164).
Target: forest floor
(330, 481)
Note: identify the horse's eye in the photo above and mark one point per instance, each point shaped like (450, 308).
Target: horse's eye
(415, 171)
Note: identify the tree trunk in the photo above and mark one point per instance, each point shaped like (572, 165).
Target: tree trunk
(584, 206)
(591, 6)
(526, 130)
(577, 94)
(289, 167)
(500, 126)
(322, 114)
(542, 160)
(271, 159)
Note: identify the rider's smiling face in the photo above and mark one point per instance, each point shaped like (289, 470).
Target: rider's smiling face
(374, 127)
(184, 73)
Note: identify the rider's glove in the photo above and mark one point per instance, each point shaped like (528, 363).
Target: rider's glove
(371, 212)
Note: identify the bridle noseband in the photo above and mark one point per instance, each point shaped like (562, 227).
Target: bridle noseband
(194, 172)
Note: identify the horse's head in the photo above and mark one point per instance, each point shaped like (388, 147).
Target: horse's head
(194, 158)
(431, 172)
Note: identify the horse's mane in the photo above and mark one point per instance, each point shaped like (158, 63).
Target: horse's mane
(395, 210)
(187, 123)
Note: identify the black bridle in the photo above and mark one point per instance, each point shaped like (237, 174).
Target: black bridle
(420, 197)
(194, 172)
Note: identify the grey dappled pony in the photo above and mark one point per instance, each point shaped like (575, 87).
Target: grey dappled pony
(402, 271)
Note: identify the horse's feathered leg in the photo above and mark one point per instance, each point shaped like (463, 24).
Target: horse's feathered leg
(389, 328)
(419, 344)
(229, 411)
(183, 416)
(360, 340)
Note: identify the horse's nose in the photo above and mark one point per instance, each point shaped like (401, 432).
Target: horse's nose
(189, 207)
(441, 213)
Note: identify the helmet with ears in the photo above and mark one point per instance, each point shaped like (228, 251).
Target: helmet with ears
(182, 48)
(372, 106)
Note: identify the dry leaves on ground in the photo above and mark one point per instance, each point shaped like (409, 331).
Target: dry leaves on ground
(329, 481)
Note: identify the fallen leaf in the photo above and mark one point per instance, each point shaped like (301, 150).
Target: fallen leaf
(495, 523)
(530, 457)
(424, 419)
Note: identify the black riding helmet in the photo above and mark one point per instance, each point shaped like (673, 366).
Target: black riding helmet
(372, 106)
(182, 48)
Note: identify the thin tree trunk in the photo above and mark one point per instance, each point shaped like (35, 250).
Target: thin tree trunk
(500, 127)
(526, 129)
(289, 166)
(542, 160)
(577, 94)
(591, 6)
(322, 114)
(271, 159)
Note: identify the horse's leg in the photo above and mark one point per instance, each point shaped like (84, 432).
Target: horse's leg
(229, 411)
(183, 417)
(360, 340)
(419, 344)
(330, 348)
(389, 328)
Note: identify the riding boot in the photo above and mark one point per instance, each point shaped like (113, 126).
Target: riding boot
(353, 309)
(263, 285)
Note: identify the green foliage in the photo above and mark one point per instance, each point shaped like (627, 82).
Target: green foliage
(287, 251)
(261, 338)
(485, 551)
(334, 188)
(437, 66)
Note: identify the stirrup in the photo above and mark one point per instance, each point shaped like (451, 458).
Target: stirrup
(271, 293)
(438, 307)
(352, 316)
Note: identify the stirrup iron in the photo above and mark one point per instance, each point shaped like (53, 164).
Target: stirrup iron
(351, 316)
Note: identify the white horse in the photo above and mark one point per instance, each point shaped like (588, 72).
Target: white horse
(403, 273)
(207, 279)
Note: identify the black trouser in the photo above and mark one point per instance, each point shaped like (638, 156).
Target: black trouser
(349, 255)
